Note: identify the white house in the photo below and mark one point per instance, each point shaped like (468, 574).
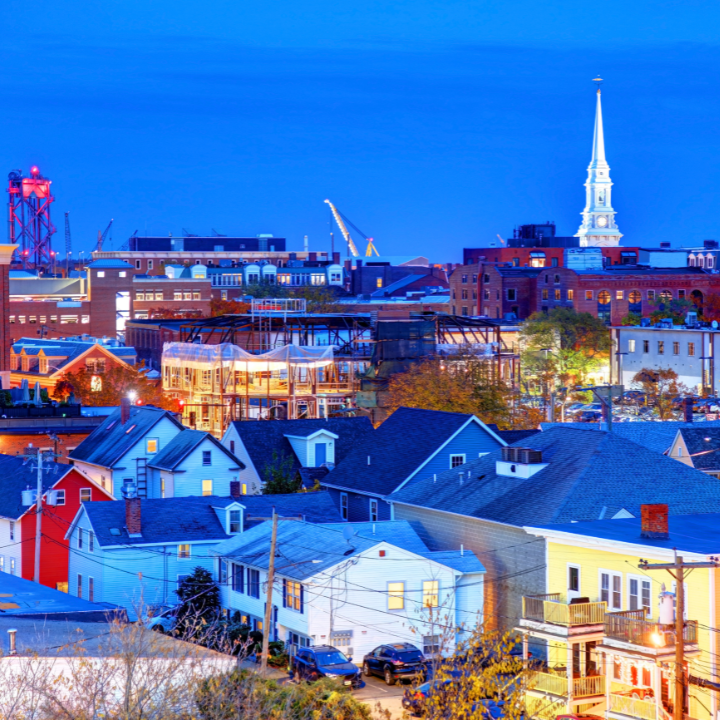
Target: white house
(352, 591)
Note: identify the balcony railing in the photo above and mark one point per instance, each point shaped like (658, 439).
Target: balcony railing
(632, 707)
(557, 684)
(549, 609)
(619, 626)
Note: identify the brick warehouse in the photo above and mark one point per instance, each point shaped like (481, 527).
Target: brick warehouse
(610, 293)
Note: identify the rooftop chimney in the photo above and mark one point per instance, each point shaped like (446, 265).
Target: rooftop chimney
(124, 410)
(133, 522)
(234, 488)
(654, 523)
(688, 409)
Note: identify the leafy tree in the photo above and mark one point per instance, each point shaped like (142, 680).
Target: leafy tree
(228, 307)
(461, 383)
(109, 387)
(662, 387)
(319, 299)
(676, 309)
(631, 319)
(710, 307)
(279, 477)
(562, 347)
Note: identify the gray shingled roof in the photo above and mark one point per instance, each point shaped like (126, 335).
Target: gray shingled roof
(16, 477)
(262, 438)
(703, 444)
(112, 439)
(397, 532)
(657, 436)
(309, 549)
(396, 449)
(182, 445)
(193, 519)
(587, 472)
(308, 476)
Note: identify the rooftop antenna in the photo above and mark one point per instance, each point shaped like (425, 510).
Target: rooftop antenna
(598, 81)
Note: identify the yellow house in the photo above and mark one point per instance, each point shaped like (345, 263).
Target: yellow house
(602, 646)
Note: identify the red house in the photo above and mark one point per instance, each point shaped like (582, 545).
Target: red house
(72, 488)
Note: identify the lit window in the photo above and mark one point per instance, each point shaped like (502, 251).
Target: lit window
(158, 295)
(396, 596)
(631, 346)
(588, 294)
(196, 296)
(207, 488)
(293, 598)
(691, 349)
(618, 294)
(122, 273)
(140, 296)
(187, 296)
(430, 591)
(378, 282)
(95, 383)
(86, 319)
(33, 320)
(570, 294)
(235, 521)
(101, 273)
(651, 294)
(152, 445)
(557, 294)
(43, 365)
(183, 552)
(85, 494)
(177, 295)
(21, 319)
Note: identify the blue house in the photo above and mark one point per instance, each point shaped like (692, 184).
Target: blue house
(409, 446)
(135, 551)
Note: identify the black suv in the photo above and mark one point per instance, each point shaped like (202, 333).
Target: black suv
(325, 661)
(395, 662)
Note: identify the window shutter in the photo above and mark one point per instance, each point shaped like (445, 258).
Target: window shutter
(302, 599)
(241, 570)
(284, 593)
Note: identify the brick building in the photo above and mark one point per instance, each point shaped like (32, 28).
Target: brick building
(176, 295)
(540, 257)
(147, 337)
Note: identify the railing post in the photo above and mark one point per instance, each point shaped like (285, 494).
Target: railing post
(569, 671)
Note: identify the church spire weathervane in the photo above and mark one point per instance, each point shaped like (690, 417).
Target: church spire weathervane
(598, 228)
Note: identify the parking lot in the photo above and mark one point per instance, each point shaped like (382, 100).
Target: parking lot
(389, 696)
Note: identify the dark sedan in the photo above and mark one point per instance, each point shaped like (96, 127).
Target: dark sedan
(325, 661)
(396, 661)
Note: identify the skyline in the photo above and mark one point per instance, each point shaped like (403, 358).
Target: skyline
(428, 141)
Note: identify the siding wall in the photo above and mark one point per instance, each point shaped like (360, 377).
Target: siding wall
(359, 505)
(188, 481)
(11, 549)
(249, 476)
(514, 560)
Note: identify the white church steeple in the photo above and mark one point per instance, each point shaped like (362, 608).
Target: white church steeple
(598, 228)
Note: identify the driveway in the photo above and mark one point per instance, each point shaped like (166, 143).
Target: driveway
(389, 697)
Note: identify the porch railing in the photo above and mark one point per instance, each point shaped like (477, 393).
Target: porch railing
(549, 683)
(619, 626)
(549, 609)
(586, 686)
(632, 707)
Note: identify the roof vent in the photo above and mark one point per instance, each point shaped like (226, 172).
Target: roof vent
(525, 456)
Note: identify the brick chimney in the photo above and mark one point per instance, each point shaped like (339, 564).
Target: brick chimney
(234, 488)
(124, 410)
(688, 409)
(133, 521)
(654, 521)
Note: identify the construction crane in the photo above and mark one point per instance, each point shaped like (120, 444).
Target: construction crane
(68, 239)
(341, 220)
(102, 236)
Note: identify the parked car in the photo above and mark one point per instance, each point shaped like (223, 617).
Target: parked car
(325, 661)
(398, 661)
(572, 716)
(161, 618)
(414, 700)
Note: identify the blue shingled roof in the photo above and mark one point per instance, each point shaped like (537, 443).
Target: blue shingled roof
(66, 350)
(106, 445)
(309, 549)
(109, 263)
(16, 477)
(406, 440)
(182, 445)
(587, 472)
(657, 436)
(688, 533)
(261, 439)
(464, 561)
(397, 532)
(193, 519)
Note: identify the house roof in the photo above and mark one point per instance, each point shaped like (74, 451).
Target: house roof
(400, 284)
(703, 445)
(17, 477)
(262, 438)
(511, 436)
(108, 443)
(109, 263)
(463, 561)
(407, 439)
(308, 476)
(657, 436)
(688, 533)
(182, 445)
(397, 532)
(306, 549)
(66, 350)
(586, 472)
(193, 519)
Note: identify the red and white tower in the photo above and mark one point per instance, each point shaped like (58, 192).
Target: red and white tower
(30, 228)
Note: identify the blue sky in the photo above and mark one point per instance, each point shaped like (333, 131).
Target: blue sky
(432, 125)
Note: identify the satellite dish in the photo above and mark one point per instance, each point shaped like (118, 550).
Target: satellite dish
(349, 533)
(714, 324)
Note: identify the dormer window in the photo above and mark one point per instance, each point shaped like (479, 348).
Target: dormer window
(43, 365)
(235, 520)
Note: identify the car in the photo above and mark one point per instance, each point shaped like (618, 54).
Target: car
(395, 661)
(161, 618)
(312, 663)
(415, 699)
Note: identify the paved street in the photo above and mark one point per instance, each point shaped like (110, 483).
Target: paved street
(376, 691)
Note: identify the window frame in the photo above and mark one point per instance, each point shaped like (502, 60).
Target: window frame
(89, 494)
(395, 595)
(631, 345)
(203, 488)
(429, 593)
(570, 568)
(374, 510)
(152, 443)
(207, 455)
(611, 588)
(344, 506)
(641, 606)
(232, 522)
(182, 554)
(453, 456)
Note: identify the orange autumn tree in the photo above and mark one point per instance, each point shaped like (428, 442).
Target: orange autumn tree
(710, 307)
(228, 307)
(118, 381)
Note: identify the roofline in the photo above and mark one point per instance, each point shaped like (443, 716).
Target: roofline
(346, 489)
(618, 546)
(125, 546)
(312, 435)
(61, 370)
(449, 512)
(452, 437)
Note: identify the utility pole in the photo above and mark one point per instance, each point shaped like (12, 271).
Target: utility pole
(677, 570)
(268, 601)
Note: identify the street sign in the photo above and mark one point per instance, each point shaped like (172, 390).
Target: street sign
(606, 391)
